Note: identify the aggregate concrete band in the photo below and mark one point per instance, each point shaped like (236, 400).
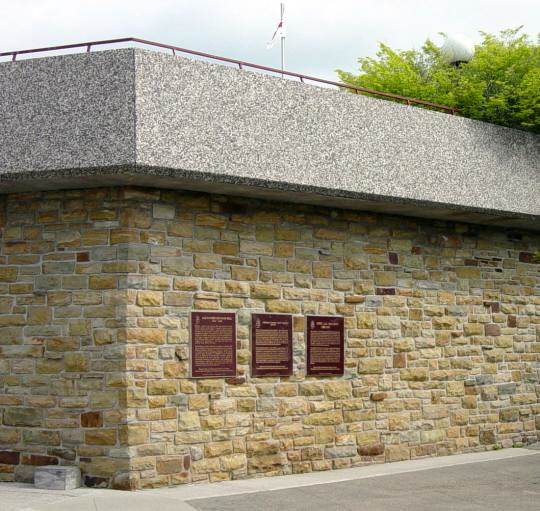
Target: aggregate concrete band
(133, 116)
(97, 282)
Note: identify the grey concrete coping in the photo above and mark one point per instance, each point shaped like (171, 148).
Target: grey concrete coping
(135, 117)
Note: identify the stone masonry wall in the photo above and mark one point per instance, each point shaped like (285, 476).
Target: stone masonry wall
(62, 360)
(442, 349)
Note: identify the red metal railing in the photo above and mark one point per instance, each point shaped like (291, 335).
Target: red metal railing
(241, 64)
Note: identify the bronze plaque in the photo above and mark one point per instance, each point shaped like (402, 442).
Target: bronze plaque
(213, 344)
(325, 345)
(271, 345)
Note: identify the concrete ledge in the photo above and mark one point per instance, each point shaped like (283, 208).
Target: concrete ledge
(158, 177)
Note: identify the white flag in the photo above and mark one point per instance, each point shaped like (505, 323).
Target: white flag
(280, 32)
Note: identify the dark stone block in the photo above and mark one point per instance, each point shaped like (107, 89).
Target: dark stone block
(9, 457)
(236, 261)
(83, 257)
(526, 257)
(38, 460)
(494, 306)
(393, 258)
(233, 208)
(371, 450)
(96, 482)
(385, 291)
(91, 420)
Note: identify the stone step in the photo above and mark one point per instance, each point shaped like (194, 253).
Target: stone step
(52, 477)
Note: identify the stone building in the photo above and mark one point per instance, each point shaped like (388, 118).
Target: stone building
(138, 187)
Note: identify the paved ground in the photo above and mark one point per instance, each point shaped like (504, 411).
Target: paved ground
(506, 480)
(512, 484)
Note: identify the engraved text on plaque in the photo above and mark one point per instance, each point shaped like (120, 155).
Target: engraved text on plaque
(325, 345)
(213, 344)
(271, 345)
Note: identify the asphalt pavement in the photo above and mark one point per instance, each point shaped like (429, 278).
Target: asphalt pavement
(504, 485)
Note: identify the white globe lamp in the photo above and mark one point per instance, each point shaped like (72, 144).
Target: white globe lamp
(457, 48)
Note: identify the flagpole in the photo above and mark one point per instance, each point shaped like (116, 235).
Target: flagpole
(282, 41)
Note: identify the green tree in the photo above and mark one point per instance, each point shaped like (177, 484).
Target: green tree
(501, 83)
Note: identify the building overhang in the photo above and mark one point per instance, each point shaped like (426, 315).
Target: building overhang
(144, 118)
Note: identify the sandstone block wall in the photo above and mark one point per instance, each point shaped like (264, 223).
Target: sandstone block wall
(442, 325)
(62, 359)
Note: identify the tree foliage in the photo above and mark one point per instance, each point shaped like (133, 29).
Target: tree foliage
(501, 83)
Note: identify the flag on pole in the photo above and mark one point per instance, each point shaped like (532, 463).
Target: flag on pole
(278, 34)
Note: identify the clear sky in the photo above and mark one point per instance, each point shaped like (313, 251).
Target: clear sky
(321, 35)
